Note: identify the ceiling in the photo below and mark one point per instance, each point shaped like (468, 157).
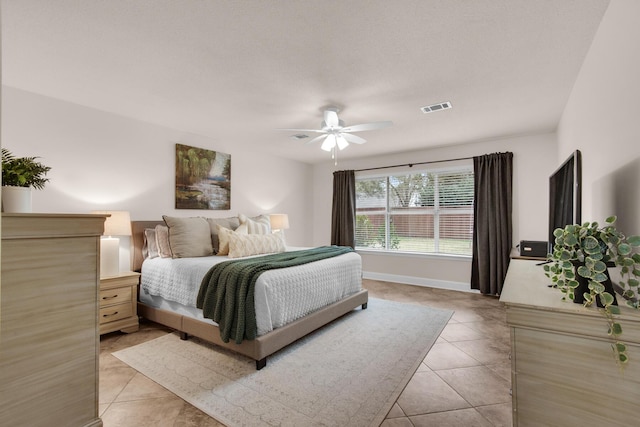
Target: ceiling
(238, 70)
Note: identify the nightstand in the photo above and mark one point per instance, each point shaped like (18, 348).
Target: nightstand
(118, 303)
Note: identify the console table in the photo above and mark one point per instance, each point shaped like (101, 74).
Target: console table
(563, 371)
(49, 340)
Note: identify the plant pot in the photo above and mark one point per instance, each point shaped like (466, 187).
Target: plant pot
(16, 199)
(583, 287)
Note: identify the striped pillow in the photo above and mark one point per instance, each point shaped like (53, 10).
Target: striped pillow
(150, 246)
(162, 241)
(257, 225)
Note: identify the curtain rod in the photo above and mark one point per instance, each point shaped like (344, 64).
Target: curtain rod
(412, 164)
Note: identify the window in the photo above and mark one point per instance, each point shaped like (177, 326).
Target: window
(427, 211)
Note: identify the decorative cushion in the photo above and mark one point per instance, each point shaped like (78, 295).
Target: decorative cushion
(257, 225)
(189, 237)
(150, 246)
(224, 235)
(230, 223)
(254, 244)
(162, 241)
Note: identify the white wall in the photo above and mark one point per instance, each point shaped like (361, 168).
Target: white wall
(102, 161)
(535, 158)
(602, 119)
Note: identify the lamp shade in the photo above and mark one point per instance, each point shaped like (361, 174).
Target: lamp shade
(118, 224)
(279, 221)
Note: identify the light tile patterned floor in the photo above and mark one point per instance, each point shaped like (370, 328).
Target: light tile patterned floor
(463, 381)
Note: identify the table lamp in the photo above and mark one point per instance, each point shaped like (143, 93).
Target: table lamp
(117, 224)
(279, 222)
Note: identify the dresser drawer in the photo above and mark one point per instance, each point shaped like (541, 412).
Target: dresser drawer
(115, 312)
(115, 296)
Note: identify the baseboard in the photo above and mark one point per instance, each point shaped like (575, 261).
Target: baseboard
(419, 281)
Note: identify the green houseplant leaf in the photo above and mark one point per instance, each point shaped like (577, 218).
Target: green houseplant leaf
(585, 252)
(23, 171)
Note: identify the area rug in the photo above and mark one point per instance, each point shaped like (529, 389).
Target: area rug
(348, 373)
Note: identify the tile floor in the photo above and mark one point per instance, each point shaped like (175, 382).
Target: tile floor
(463, 381)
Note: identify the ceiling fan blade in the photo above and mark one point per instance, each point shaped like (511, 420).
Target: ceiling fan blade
(353, 138)
(367, 126)
(331, 118)
(329, 143)
(316, 139)
(304, 130)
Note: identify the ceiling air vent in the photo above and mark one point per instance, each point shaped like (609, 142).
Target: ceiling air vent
(436, 107)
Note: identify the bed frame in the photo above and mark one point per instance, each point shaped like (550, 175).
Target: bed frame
(257, 349)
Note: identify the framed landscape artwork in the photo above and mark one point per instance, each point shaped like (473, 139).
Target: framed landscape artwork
(203, 179)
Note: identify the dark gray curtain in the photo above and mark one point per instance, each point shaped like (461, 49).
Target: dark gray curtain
(343, 215)
(492, 221)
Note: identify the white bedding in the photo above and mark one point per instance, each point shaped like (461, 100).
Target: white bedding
(281, 296)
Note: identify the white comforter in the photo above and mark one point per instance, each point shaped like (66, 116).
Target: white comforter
(281, 296)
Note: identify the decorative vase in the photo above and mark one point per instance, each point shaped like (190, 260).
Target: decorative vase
(16, 199)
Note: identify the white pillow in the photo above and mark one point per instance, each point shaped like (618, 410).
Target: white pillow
(254, 244)
(256, 225)
(224, 234)
(231, 223)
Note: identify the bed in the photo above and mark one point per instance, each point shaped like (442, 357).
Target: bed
(189, 321)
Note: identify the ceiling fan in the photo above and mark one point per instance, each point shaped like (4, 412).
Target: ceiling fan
(334, 135)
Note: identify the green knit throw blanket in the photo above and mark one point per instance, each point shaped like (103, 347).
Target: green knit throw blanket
(227, 291)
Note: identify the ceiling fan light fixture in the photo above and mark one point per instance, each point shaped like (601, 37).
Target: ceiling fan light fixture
(329, 143)
(342, 143)
(333, 133)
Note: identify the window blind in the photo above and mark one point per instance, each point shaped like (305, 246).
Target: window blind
(423, 211)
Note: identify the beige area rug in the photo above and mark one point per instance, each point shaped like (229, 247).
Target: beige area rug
(348, 373)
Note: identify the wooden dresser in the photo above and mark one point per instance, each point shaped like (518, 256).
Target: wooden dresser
(563, 371)
(49, 337)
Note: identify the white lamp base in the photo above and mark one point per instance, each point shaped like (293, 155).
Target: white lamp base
(109, 256)
(281, 233)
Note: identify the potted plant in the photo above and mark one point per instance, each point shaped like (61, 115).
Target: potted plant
(19, 176)
(583, 253)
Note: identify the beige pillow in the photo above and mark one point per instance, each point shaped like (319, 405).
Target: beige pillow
(162, 241)
(189, 237)
(224, 235)
(150, 246)
(254, 244)
(231, 223)
(257, 225)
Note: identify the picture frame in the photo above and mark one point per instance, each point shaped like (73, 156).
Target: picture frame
(202, 179)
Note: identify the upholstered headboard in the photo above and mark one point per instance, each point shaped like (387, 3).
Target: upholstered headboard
(137, 240)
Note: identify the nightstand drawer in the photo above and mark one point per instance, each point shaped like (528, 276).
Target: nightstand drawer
(118, 309)
(115, 312)
(115, 296)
